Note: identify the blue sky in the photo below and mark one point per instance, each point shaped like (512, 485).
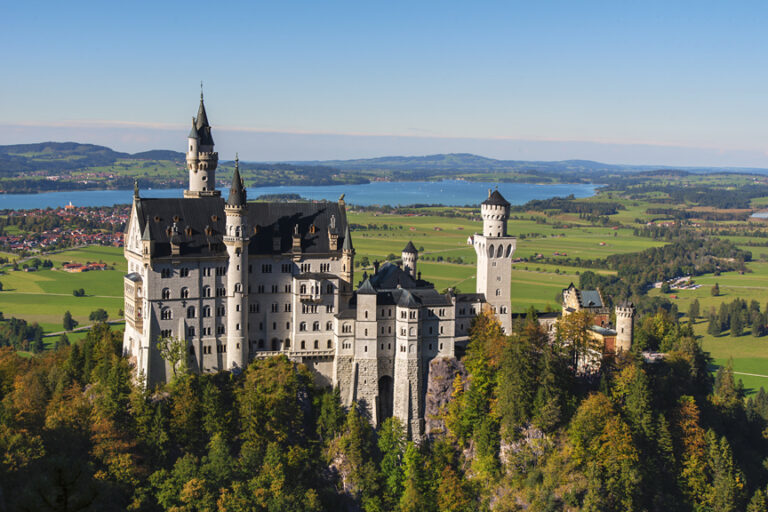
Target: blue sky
(681, 83)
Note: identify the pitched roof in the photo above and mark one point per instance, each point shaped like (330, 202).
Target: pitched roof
(410, 248)
(590, 299)
(193, 131)
(201, 223)
(495, 199)
(237, 194)
(202, 116)
(366, 288)
(146, 236)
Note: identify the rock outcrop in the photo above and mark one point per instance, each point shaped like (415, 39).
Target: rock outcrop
(442, 372)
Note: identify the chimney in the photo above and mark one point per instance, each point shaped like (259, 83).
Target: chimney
(376, 266)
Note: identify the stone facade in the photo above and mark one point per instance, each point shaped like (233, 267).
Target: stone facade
(235, 281)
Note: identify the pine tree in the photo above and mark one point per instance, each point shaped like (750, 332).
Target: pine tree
(69, 323)
(715, 290)
(693, 311)
(392, 444)
(758, 503)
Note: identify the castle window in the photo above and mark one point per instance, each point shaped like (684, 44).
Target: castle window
(285, 268)
(250, 269)
(275, 307)
(274, 288)
(303, 326)
(166, 293)
(365, 348)
(317, 344)
(316, 326)
(266, 269)
(260, 288)
(221, 292)
(275, 341)
(329, 308)
(330, 344)
(430, 330)
(389, 330)
(220, 311)
(219, 329)
(185, 293)
(238, 287)
(346, 328)
(166, 333)
(325, 267)
(253, 308)
(287, 288)
(303, 289)
(305, 267)
(165, 314)
(430, 346)
(498, 292)
(191, 334)
(303, 345)
(166, 272)
(366, 332)
(441, 329)
(441, 346)
(366, 314)
(206, 331)
(287, 343)
(237, 327)
(274, 326)
(329, 288)
(328, 326)
(287, 325)
(191, 312)
(287, 307)
(206, 291)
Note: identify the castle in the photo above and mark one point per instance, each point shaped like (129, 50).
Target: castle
(234, 281)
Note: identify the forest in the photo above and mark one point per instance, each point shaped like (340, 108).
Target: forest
(522, 431)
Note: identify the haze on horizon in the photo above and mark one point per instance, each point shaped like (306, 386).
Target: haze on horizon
(654, 83)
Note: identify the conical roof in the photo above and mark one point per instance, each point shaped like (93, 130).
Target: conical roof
(410, 248)
(496, 199)
(202, 117)
(237, 194)
(146, 237)
(347, 245)
(366, 288)
(193, 131)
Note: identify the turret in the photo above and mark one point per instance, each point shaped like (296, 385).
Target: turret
(236, 242)
(494, 249)
(347, 266)
(202, 160)
(625, 316)
(495, 213)
(409, 257)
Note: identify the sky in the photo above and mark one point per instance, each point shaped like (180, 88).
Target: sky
(675, 83)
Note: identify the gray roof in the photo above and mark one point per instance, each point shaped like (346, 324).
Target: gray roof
(410, 248)
(237, 194)
(391, 276)
(201, 223)
(365, 288)
(347, 245)
(496, 199)
(590, 299)
(193, 131)
(134, 276)
(202, 126)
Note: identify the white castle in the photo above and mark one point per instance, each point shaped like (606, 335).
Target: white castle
(236, 281)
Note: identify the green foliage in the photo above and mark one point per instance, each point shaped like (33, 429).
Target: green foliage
(99, 315)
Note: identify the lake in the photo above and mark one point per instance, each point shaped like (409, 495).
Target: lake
(448, 193)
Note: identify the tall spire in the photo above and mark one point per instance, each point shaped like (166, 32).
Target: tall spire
(347, 245)
(237, 194)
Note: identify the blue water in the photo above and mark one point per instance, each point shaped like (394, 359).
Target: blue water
(449, 193)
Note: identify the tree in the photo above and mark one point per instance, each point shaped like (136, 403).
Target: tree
(693, 311)
(758, 503)
(63, 341)
(665, 287)
(69, 322)
(98, 315)
(392, 443)
(574, 330)
(173, 350)
(715, 290)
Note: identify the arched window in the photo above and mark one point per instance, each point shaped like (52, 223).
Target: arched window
(238, 287)
(185, 293)
(191, 312)
(206, 311)
(366, 314)
(206, 291)
(303, 289)
(303, 326)
(165, 314)
(303, 345)
(490, 251)
(509, 250)
(316, 326)
(330, 344)
(328, 326)
(166, 294)
(500, 251)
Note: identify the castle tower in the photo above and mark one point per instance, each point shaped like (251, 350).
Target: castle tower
(347, 274)
(407, 400)
(625, 316)
(494, 251)
(409, 256)
(201, 158)
(236, 241)
(365, 379)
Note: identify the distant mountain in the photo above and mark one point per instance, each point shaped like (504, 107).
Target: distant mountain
(160, 154)
(60, 156)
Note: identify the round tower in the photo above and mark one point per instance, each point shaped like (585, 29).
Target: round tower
(495, 213)
(236, 242)
(202, 160)
(625, 316)
(409, 257)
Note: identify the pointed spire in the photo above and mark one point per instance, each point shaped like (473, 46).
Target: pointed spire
(135, 189)
(410, 248)
(237, 194)
(193, 131)
(347, 246)
(146, 237)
